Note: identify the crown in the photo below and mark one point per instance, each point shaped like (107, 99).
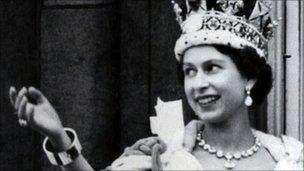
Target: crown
(235, 23)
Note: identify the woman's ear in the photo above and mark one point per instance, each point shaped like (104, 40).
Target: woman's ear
(250, 83)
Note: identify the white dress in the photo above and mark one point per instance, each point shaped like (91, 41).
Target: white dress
(287, 152)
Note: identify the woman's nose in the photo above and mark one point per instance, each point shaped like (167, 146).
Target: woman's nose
(201, 82)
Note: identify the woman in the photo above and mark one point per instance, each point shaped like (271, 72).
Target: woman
(224, 72)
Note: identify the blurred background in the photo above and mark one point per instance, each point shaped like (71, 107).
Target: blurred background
(103, 63)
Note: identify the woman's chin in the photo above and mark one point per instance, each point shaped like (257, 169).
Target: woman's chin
(211, 116)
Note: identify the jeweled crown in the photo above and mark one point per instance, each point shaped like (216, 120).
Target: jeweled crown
(235, 23)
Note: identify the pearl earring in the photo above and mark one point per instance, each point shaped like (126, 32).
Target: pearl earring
(248, 99)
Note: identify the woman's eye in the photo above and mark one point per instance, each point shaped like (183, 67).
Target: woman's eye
(212, 68)
(189, 71)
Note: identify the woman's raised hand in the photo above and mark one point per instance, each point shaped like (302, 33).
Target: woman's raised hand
(41, 116)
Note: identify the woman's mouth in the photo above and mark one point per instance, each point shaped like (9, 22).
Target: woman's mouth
(207, 99)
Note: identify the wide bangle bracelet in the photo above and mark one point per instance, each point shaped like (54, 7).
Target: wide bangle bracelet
(64, 157)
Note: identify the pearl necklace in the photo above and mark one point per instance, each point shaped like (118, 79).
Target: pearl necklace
(229, 164)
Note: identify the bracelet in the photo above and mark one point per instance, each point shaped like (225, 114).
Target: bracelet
(64, 157)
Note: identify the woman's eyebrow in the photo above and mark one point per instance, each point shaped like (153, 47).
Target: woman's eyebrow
(187, 64)
(210, 61)
(217, 61)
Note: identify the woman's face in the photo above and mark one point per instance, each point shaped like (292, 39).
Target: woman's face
(214, 87)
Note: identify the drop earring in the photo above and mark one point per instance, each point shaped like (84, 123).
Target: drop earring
(248, 99)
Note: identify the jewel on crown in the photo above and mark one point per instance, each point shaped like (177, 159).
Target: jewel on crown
(231, 7)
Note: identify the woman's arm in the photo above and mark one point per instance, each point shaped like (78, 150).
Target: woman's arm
(62, 143)
(43, 118)
(78, 164)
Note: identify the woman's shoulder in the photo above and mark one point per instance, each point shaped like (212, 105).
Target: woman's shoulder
(287, 151)
(280, 146)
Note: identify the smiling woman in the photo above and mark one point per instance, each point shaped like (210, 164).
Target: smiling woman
(213, 85)
(223, 59)
(216, 82)
(222, 52)
(250, 65)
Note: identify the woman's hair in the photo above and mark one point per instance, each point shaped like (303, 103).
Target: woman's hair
(250, 65)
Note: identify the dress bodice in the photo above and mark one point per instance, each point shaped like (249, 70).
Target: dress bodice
(286, 151)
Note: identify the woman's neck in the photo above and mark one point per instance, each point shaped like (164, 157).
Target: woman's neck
(232, 135)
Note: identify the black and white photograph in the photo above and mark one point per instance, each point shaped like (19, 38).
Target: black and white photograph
(151, 85)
